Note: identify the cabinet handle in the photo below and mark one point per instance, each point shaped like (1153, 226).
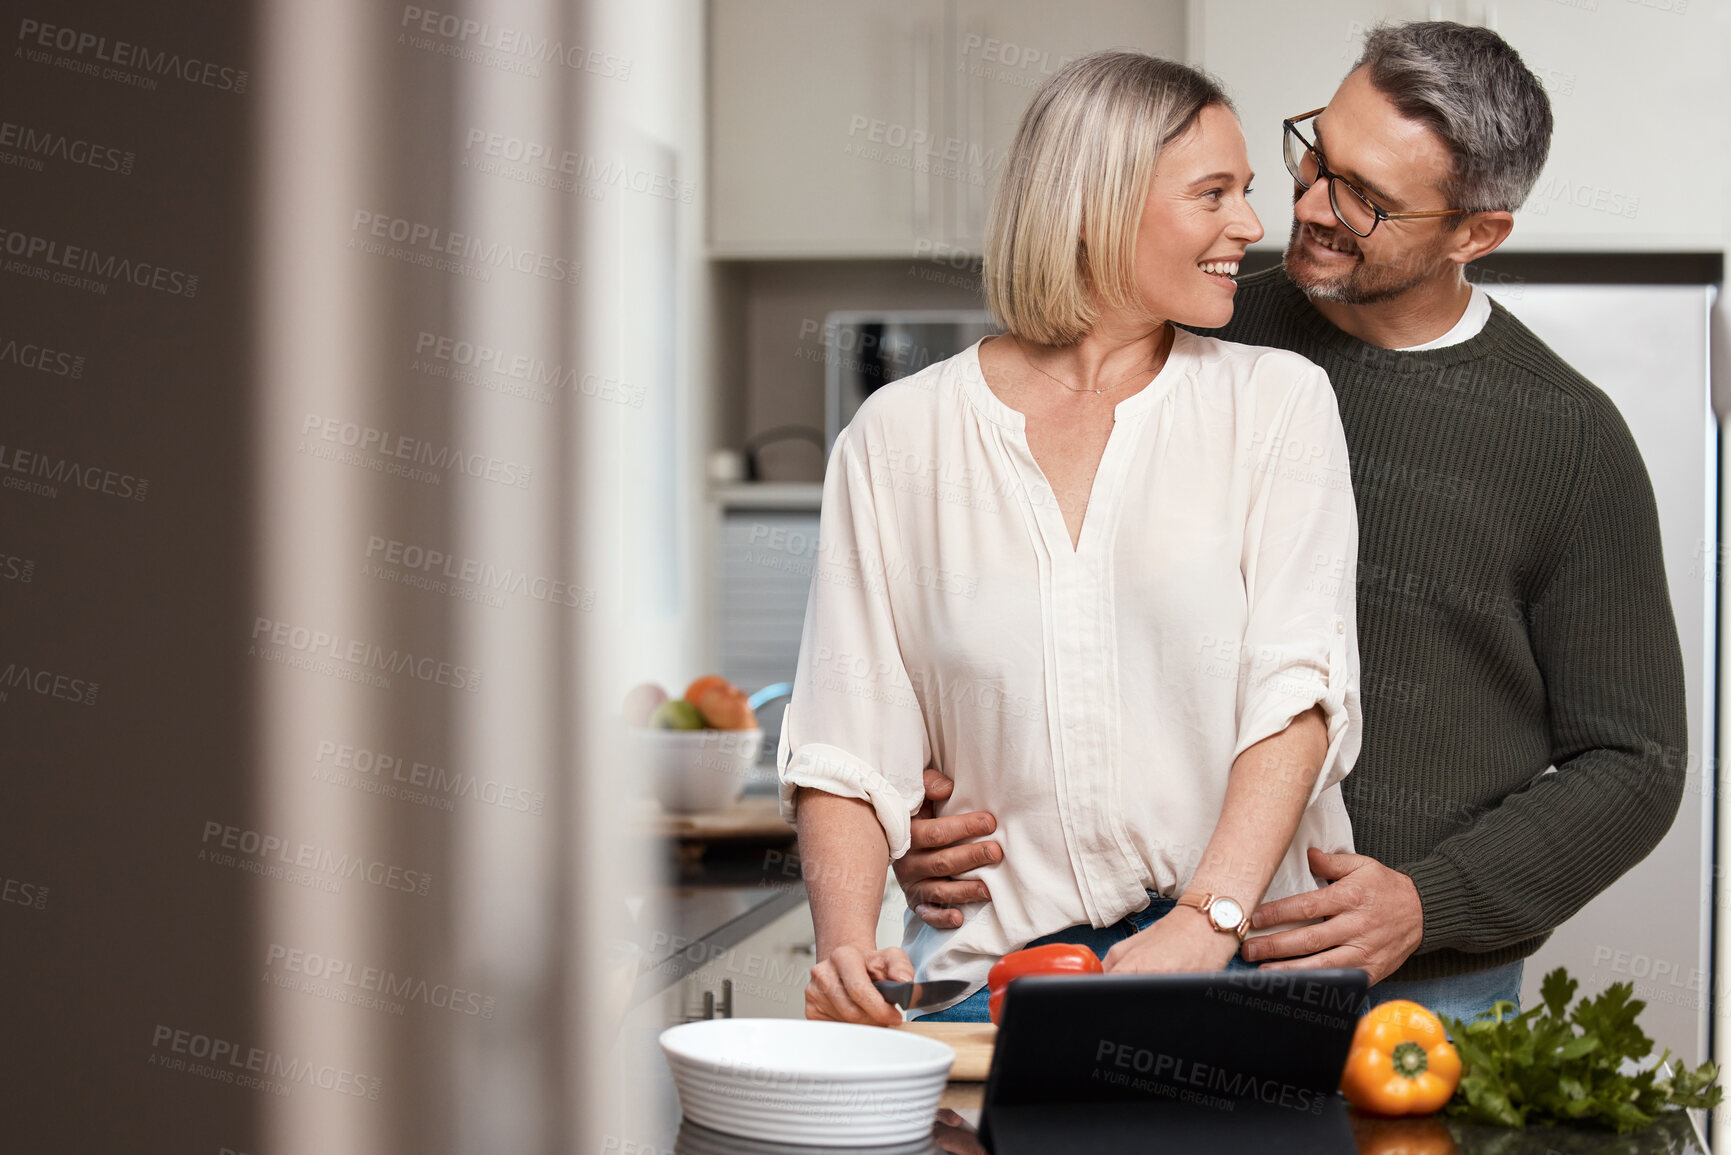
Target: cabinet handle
(977, 194)
(922, 126)
(961, 88)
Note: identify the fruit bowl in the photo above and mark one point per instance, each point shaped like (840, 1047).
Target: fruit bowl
(696, 770)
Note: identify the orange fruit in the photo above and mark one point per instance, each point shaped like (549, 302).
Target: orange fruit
(724, 707)
(700, 687)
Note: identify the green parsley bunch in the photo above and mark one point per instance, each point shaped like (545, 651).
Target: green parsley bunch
(1552, 1065)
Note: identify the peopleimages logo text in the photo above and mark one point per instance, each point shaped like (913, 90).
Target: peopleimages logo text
(582, 166)
(343, 973)
(47, 683)
(358, 763)
(429, 561)
(64, 471)
(465, 246)
(103, 267)
(268, 632)
(53, 145)
(41, 358)
(514, 42)
(371, 439)
(522, 367)
(227, 1061)
(89, 45)
(270, 848)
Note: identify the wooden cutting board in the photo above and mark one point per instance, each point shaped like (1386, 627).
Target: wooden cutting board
(973, 1044)
(753, 818)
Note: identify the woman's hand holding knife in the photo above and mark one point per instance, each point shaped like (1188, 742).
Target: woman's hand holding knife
(845, 860)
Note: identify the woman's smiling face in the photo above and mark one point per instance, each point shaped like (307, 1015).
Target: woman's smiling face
(1197, 223)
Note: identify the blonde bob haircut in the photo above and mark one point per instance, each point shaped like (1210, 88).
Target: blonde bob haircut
(1081, 165)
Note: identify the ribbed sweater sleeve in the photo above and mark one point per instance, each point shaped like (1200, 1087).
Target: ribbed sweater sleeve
(1603, 637)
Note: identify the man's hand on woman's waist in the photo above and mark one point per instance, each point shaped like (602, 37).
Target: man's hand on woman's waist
(937, 853)
(1371, 915)
(1371, 918)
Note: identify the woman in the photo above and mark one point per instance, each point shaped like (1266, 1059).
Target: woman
(1081, 568)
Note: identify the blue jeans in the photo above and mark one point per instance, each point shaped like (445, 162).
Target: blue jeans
(1098, 939)
(1460, 996)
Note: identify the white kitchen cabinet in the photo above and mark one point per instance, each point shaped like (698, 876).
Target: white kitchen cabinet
(879, 129)
(999, 52)
(768, 971)
(813, 104)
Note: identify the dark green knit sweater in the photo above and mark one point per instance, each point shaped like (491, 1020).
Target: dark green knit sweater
(1512, 616)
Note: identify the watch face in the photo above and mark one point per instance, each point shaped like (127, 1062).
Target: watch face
(1227, 914)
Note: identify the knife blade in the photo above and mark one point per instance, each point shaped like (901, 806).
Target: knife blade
(913, 996)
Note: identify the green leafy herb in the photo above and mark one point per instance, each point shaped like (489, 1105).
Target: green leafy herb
(1552, 1065)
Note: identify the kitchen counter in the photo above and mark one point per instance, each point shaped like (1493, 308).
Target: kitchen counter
(1672, 1134)
(698, 923)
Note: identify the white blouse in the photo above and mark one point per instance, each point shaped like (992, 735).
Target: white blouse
(1093, 697)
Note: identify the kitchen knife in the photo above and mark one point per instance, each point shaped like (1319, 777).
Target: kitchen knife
(913, 996)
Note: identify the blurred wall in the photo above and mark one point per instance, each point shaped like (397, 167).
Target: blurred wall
(350, 359)
(127, 487)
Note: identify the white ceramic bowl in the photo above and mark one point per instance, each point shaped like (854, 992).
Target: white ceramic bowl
(694, 770)
(694, 1139)
(811, 1083)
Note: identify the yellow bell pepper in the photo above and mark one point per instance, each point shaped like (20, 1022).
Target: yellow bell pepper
(1401, 1062)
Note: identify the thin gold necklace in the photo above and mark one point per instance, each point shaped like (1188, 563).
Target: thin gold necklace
(1030, 361)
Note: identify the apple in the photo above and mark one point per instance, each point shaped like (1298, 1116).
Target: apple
(641, 702)
(676, 714)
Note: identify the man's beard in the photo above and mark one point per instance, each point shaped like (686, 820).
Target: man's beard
(1362, 284)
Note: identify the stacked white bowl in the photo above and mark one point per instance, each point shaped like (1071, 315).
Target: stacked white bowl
(809, 1083)
(697, 1140)
(692, 771)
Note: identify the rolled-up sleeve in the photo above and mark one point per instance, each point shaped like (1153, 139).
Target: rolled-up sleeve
(1300, 644)
(854, 725)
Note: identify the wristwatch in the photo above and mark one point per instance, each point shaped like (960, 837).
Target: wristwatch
(1223, 912)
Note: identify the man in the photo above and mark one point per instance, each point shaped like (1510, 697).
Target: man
(1512, 605)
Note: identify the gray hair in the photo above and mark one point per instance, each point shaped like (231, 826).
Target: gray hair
(1473, 90)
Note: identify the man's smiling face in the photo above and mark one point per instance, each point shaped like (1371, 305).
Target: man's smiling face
(1400, 164)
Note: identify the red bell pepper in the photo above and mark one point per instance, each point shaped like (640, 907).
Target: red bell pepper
(1058, 958)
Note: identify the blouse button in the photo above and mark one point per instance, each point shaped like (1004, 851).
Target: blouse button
(1339, 626)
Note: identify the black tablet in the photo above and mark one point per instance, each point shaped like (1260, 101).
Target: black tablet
(1226, 1060)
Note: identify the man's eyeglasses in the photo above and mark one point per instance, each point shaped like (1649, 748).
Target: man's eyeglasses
(1354, 209)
